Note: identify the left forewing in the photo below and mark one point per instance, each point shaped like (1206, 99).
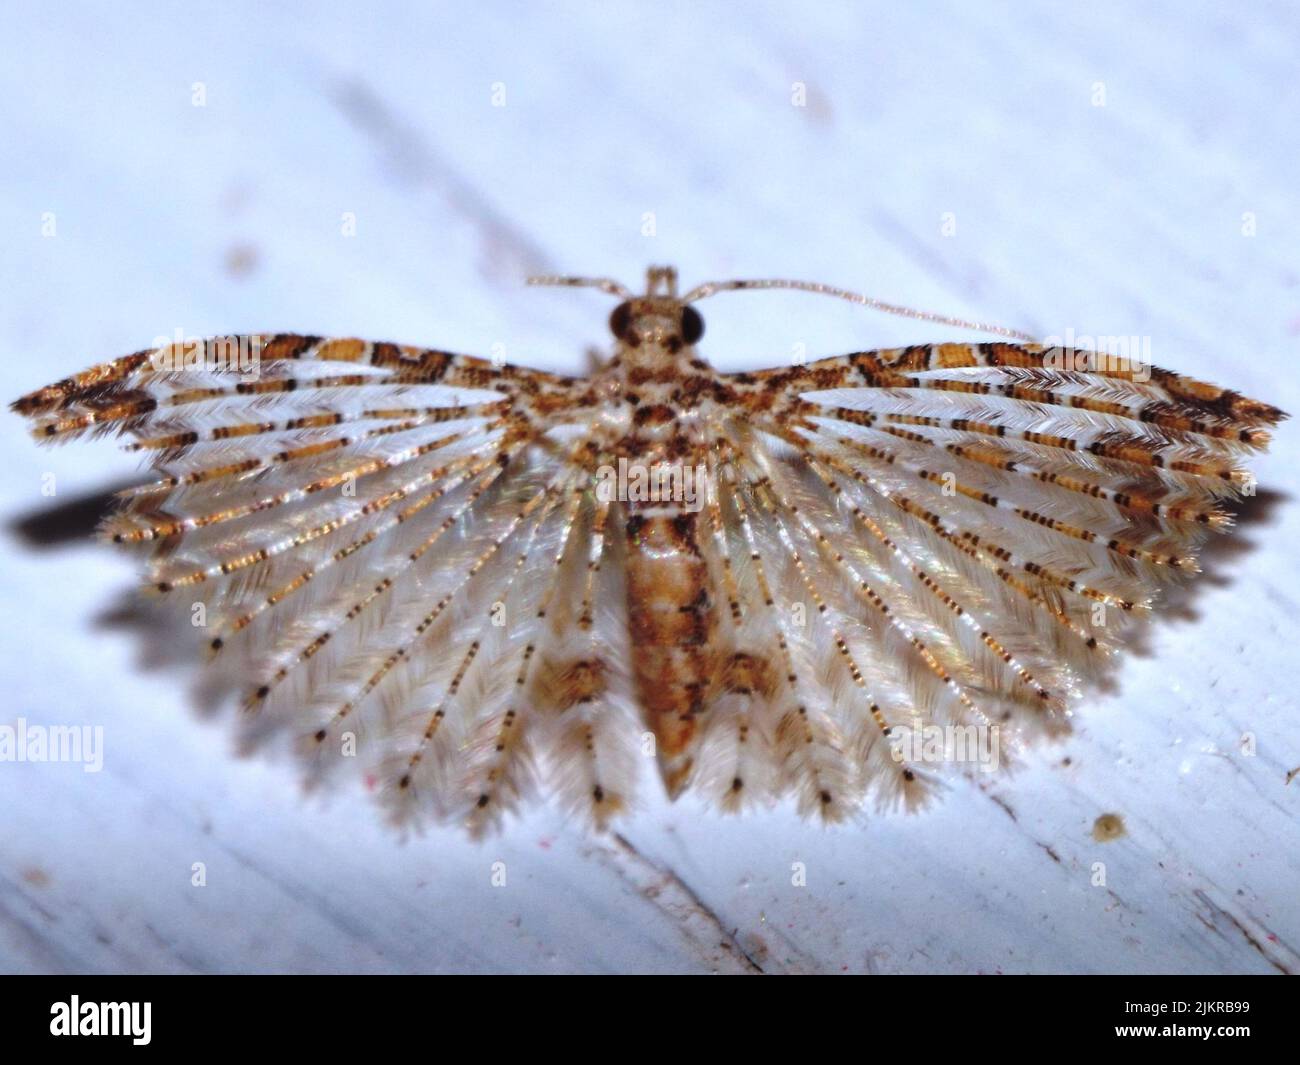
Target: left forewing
(354, 520)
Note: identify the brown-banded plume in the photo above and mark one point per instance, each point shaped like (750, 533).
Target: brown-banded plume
(406, 549)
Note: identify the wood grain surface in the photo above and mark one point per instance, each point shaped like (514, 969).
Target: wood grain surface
(1109, 169)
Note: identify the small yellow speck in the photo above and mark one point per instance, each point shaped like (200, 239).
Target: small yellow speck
(1108, 827)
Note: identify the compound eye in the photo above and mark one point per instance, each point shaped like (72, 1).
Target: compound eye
(692, 325)
(620, 319)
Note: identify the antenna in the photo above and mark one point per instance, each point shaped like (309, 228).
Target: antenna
(605, 284)
(710, 288)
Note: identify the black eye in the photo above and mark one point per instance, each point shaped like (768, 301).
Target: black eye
(620, 319)
(692, 325)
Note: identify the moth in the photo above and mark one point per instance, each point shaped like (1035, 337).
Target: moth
(481, 582)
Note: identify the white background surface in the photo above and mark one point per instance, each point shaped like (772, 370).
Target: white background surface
(1125, 218)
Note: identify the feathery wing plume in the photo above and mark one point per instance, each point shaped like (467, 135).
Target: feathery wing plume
(497, 579)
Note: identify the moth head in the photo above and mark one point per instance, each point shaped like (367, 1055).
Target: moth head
(662, 320)
(658, 319)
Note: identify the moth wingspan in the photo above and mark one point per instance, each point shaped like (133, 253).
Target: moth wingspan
(408, 556)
